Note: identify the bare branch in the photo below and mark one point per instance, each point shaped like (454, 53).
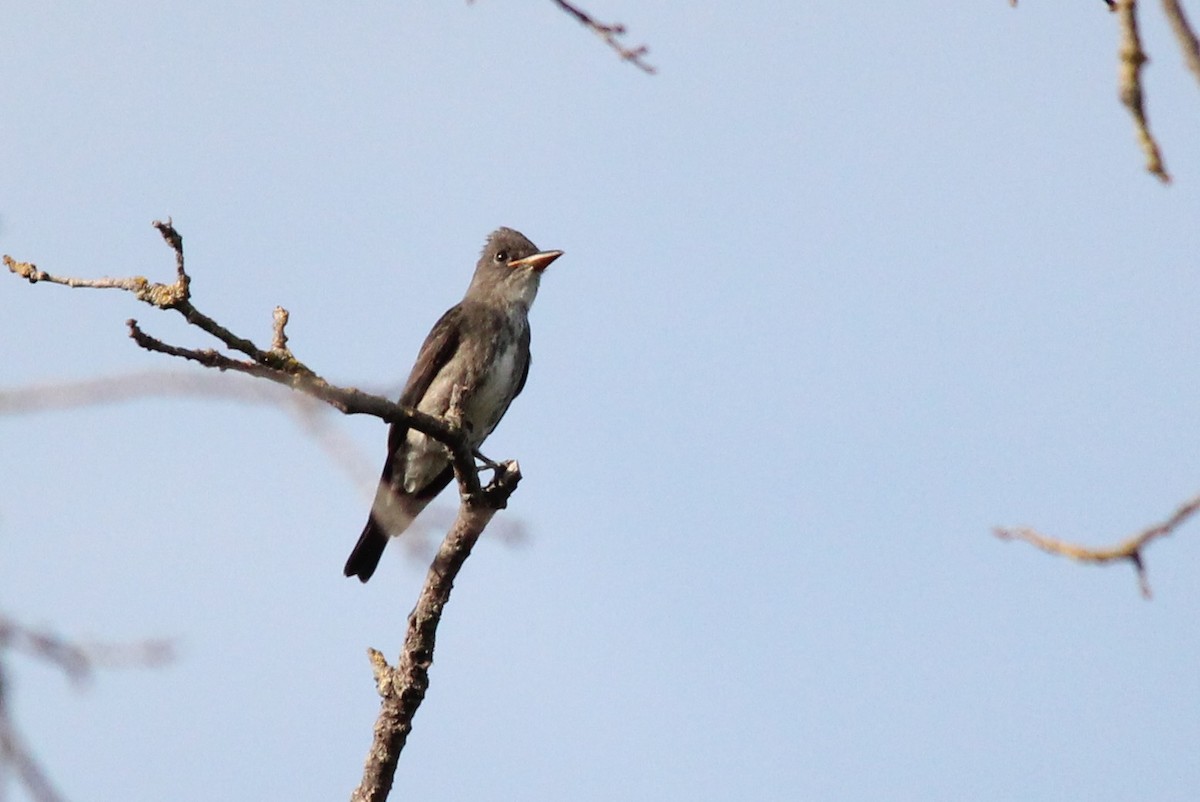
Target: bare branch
(402, 688)
(611, 34)
(1129, 549)
(1132, 58)
(1185, 35)
(277, 365)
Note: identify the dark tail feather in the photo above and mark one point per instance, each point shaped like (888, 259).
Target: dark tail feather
(365, 558)
(391, 514)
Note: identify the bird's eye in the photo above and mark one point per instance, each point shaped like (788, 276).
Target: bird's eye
(501, 256)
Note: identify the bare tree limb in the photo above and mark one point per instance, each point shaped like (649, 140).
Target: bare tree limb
(403, 687)
(1131, 59)
(1128, 549)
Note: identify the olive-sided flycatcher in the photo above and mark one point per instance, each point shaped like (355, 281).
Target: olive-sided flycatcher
(481, 346)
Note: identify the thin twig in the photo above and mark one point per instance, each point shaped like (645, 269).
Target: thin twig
(160, 295)
(1183, 32)
(1128, 549)
(611, 34)
(1132, 58)
(279, 339)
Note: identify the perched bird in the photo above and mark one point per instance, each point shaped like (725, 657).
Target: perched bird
(481, 345)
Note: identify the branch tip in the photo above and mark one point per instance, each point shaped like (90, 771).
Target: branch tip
(26, 270)
(1139, 568)
(1184, 35)
(610, 33)
(1128, 549)
(279, 338)
(1131, 60)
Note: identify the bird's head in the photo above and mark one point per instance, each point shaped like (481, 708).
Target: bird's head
(509, 269)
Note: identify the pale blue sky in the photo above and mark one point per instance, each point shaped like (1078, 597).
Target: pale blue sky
(846, 285)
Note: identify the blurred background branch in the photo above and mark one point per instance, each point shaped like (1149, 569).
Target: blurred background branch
(77, 661)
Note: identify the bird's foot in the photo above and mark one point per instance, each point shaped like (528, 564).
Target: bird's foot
(488, 465)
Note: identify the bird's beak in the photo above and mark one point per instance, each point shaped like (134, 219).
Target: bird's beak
(539, 261)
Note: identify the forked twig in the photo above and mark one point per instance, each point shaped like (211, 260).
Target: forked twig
(1129, 549)
(611, 33)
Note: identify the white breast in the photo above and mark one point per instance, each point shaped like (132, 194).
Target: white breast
(488, 402)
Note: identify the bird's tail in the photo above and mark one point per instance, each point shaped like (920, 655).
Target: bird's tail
(367, 551)
(392, 513)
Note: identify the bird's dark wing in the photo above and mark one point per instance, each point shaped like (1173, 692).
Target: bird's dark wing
(528, 361)
(438, 348)
(436, 351)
